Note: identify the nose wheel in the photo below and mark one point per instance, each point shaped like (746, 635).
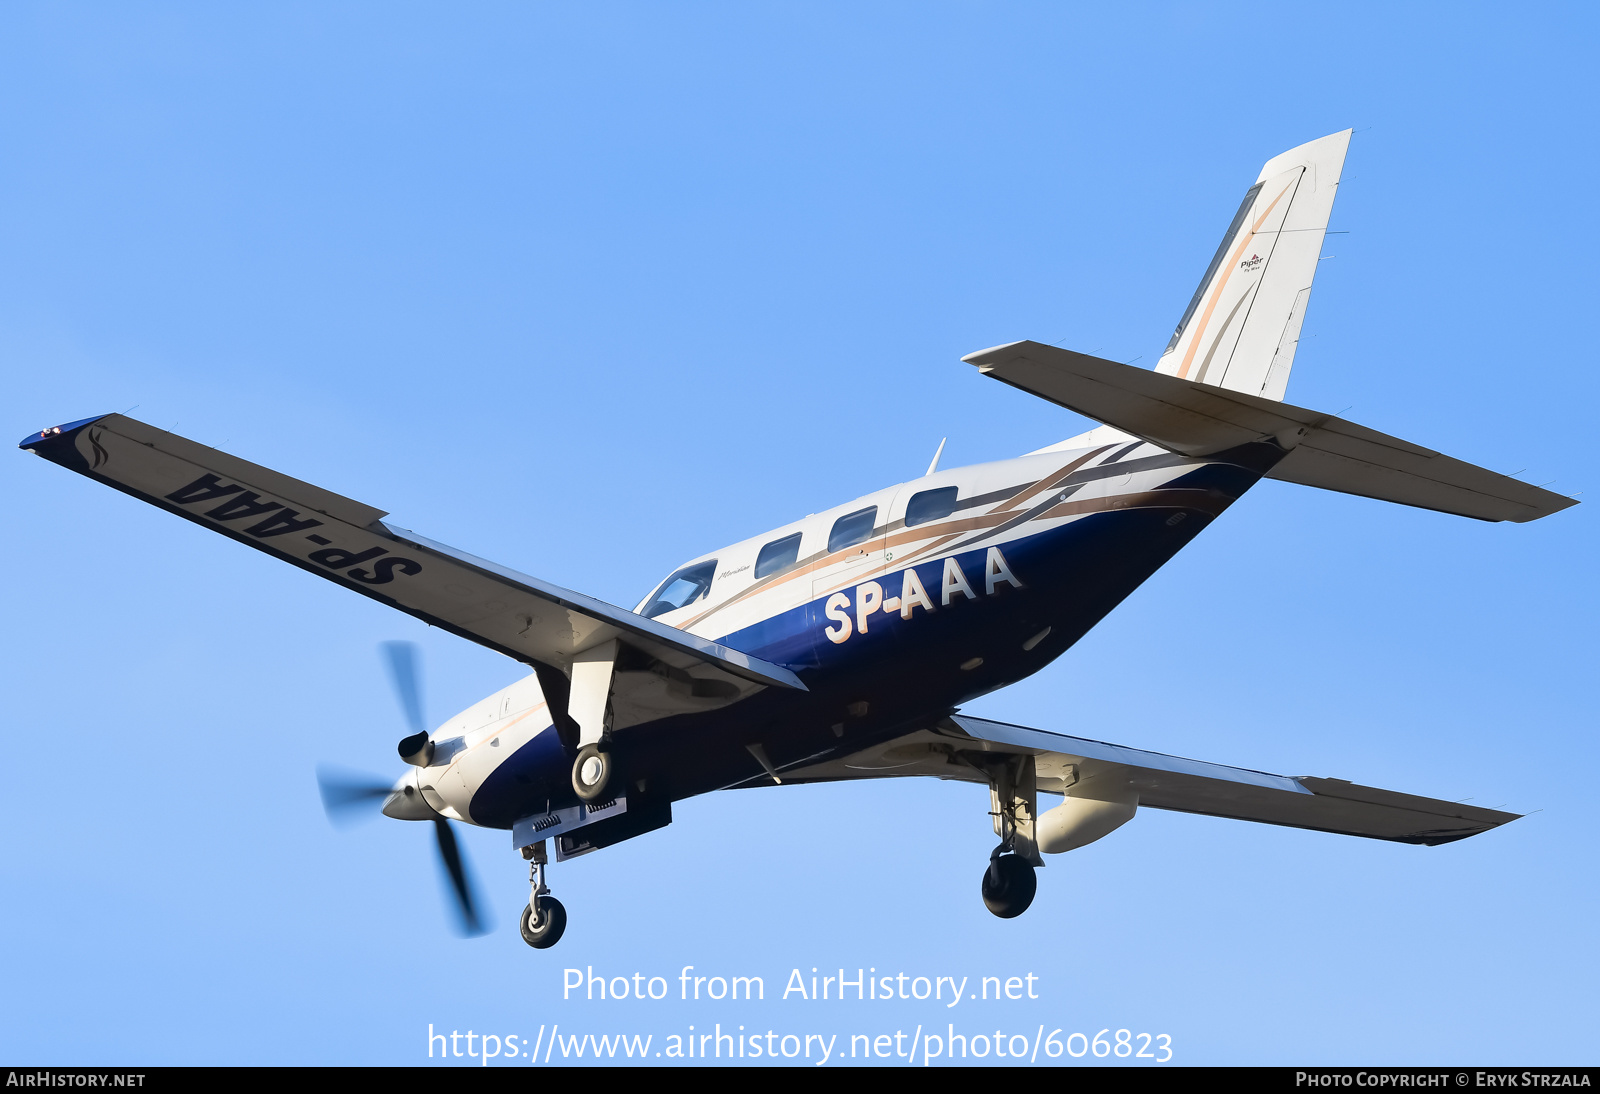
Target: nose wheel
(544, 920)
(543, 928)
(1009, 884)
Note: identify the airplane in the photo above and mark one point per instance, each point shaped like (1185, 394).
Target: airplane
(843, 645)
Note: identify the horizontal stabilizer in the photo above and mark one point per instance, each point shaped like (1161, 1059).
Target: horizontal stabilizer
(1326, 451)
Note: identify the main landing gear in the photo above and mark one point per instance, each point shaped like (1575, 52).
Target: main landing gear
(589, 705)
(592, 771)
(544, 920)
(1009, 883)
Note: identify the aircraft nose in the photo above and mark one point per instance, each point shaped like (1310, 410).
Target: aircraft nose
(405, 802)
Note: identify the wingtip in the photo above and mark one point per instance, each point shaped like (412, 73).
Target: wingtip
(977, 357)
(50, 433)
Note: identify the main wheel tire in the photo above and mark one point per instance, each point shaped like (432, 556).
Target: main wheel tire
(591, 773)
(547, 931)
(1009, 885)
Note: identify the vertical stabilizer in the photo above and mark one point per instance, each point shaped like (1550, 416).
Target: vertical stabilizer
(1241, 329)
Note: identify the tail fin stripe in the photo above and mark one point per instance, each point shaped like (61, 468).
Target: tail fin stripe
(1205, 366)
(1216, 263)
(1254, 296)
(1233, 264)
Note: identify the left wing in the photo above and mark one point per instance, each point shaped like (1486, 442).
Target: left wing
(1082, 768)
(659, 671)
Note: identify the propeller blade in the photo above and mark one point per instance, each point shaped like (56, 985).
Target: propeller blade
(402, 659)
(461, 886)
(348, 797)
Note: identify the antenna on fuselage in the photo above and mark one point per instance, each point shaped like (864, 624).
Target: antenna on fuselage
(934, 466)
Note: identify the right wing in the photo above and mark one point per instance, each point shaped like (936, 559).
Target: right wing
(1097, 770)
(662, 670)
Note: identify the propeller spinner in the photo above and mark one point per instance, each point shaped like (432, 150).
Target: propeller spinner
(347, 797)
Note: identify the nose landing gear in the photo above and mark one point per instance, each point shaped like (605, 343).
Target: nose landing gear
(544, 920)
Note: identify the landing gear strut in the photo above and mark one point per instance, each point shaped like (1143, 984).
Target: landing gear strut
(1009, 883)
(544, 919)
(589, 705)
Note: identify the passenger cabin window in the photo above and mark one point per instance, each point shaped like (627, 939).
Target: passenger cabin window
(930, 505)
(684, 587)
(780, 554)
(852, 528)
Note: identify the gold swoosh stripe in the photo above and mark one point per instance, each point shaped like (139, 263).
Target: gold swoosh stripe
(1210, 502)
(942, 532)
(1233, 264)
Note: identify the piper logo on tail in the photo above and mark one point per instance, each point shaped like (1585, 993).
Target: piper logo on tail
(854, 615)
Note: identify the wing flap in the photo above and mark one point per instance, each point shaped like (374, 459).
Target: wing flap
(347, 543)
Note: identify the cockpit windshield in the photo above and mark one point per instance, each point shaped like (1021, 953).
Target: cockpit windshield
(684, 587)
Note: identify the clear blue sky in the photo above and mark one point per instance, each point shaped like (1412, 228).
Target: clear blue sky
(589, 289)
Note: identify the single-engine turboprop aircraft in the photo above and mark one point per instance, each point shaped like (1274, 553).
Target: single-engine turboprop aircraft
(841, 646)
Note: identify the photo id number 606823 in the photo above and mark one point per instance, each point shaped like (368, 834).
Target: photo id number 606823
(1122, 1043)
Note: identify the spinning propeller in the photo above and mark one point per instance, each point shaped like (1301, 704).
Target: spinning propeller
(347, 797)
